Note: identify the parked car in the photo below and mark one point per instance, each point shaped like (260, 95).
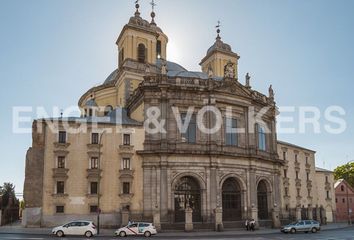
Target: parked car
(84, 228)
(136, 229)
(302, 226)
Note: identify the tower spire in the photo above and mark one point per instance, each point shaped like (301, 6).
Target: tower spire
(218, 30)
(153, 5)
(137, 13)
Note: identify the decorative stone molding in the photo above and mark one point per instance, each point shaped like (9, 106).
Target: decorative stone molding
(126, 174)
(126, 149)
(94, 174)
(61, 145)
(298, 182)
(61, 152)
(309, 183)
(60, 173)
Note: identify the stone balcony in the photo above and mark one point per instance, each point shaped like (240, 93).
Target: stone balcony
(94, 173)
(94, 147)
(127, 149)
(60, 173)
(59, 145)
(126, 174)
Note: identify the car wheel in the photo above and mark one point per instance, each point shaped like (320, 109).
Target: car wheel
(293, 230)
(60, 234)
(122, 234)
(314, 230)
(147, 234)
(88, 234)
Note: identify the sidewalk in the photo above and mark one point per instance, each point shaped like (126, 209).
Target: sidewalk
(18, 229)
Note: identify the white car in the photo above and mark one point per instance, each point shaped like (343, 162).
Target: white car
(137, 229)
(83, 228)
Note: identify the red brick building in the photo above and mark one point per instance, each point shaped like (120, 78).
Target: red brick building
(344, 201)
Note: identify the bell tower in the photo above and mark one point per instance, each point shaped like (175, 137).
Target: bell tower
(218, 56)
(140, 40)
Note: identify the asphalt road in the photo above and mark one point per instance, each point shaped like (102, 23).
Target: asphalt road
(338, 234)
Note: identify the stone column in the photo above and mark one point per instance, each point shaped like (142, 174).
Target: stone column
(309, 212)
(298, 213)
(125, 217)
(163, 190)
(218, 219)
(157, 222)
(275, 217)
(189, 220)
(254, 215)
(213, 188)
(318, 214)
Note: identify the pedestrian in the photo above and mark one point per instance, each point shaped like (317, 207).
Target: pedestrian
(129, 222)
(247, 225)
(252, 225)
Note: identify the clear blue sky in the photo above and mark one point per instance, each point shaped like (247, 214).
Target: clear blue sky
(51, 52)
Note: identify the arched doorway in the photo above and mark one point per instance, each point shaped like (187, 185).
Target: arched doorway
(231, 200)
(187, 194)
(262, 199)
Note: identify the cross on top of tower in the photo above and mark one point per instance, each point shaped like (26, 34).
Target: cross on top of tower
(218, 29)
(153, 5)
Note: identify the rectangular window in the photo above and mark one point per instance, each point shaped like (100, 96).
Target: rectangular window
(230, 134)
(190, 134)
(295, 157)
(261, 137)
(285, 173)
(59, 209)
(94, 163)
(61, 162)
(327, 194)
(126, 188)
(286, 191)
(93, 187)
(62, 137)
(326, 179)
(297, 174)
(60, 187)
(298, 192)
(308, 176)
(158, 49)
(307, 160)
(308, 192)
(284, 155)
(126, 163)
(94, 138)
(126, 139)
(343, 200)
(93, 209)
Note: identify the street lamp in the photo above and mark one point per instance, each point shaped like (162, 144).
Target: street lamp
(99, 181)
(349, 210)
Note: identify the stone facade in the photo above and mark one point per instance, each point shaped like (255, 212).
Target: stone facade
(344, 198)
(173, 177)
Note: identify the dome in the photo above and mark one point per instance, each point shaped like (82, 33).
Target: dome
(171, 66)
(111, 77)
(221, 46)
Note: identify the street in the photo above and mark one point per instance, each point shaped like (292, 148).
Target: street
(337, 234)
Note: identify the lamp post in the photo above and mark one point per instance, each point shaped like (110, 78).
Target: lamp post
(99, 181)
(349, 210)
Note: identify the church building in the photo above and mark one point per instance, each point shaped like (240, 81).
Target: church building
(127, 157)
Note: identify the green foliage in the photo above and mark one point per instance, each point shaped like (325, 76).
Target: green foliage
(8, 191)
(346, 172)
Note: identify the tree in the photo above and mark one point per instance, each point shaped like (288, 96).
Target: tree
(8, 191)
(346, 172)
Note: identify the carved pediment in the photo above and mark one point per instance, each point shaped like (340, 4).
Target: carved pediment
(233, 87)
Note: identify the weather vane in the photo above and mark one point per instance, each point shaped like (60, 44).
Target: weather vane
(218, 29)
(153, 4)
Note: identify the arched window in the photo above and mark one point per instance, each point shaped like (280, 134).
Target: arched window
(107, 110)
(141, 53)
